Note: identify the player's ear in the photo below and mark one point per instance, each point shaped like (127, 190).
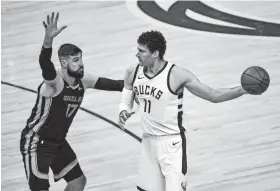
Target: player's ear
(63, 63)
(156, 54)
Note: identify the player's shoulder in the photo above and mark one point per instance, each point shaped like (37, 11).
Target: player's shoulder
(181, 74)
(178, 70)
(132, 69)
(89, 80)
(129, 76)
(89, 76)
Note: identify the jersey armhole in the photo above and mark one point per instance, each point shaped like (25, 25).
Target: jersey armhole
(168, 80)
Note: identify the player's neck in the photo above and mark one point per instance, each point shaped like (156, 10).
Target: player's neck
(154, 68)
(69, 79)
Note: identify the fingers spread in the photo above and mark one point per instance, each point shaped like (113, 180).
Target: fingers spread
(52, 17)
(62, 28)
(44, 23)
(48, 20)
(56, 18)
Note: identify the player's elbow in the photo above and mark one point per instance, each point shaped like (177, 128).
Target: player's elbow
(214, 100)
(214, 96)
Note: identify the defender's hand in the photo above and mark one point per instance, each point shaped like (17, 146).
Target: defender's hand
(51, 26)
(123, 116)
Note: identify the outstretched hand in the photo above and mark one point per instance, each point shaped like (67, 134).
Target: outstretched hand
(51, 26)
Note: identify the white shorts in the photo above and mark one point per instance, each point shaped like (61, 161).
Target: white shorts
(163, 163)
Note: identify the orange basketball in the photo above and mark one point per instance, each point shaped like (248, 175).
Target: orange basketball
(255, 80)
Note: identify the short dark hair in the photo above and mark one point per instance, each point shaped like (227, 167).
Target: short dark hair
(154, 40)
(68, 50)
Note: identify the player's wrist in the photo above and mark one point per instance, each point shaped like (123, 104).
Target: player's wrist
(48, 41)
(242, 90)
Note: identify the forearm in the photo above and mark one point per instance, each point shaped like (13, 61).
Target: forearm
(226, 94)
(48, 70)
(126, 100)
(109, 84)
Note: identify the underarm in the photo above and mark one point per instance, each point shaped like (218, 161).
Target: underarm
(52, 89)
(175, 83)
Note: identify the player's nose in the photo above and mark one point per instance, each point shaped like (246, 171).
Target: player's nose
(81, 64)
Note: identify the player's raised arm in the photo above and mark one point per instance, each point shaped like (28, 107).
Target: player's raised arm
(126, 105)
(201, 90)
(51, 31)
(48, 69)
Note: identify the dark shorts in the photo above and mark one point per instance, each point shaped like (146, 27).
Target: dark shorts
(39, 155)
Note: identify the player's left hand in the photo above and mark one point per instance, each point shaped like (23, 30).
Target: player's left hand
(51, 29)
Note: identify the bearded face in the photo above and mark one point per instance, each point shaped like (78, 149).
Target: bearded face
(79, 73)
(75, 66)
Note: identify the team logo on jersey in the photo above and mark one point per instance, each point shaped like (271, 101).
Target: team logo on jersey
(147, 90)
(73, 98)
(177, 15)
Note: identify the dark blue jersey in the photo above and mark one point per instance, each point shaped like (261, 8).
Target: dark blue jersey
(51, 117)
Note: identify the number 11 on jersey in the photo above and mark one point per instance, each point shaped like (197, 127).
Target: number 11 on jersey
(147, 107)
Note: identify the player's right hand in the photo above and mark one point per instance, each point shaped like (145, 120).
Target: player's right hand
(51, 26)
(123, 116)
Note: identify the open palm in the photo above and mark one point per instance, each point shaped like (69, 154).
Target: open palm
(51, 26)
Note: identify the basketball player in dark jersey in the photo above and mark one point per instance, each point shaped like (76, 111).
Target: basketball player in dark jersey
(43, 144)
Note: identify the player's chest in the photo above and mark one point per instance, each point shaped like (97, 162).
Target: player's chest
(145, 88)
(70, 95)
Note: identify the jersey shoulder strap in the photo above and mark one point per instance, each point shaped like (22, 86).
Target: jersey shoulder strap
(135, 73)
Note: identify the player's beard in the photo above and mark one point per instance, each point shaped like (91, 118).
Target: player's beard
(76, 74)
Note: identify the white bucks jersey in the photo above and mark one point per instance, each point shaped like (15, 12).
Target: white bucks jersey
(161, 109)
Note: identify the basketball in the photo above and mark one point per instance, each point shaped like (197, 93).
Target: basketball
(255, 80)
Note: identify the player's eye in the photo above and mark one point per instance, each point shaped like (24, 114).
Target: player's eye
(140, 50)
(76, 59)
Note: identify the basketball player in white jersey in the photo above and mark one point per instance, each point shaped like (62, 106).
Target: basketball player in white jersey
(159, 88)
